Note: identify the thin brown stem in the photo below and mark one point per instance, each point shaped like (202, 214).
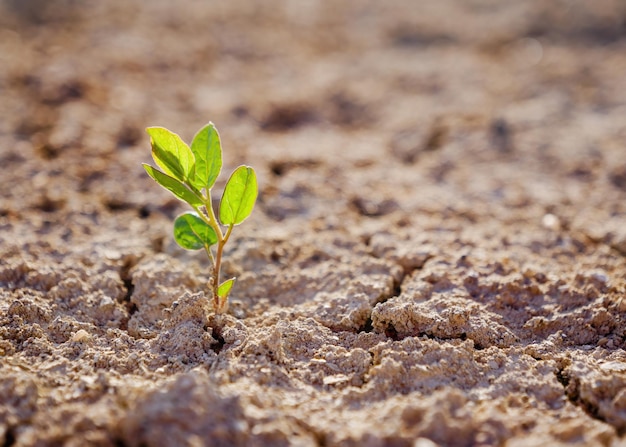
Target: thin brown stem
(219, 306)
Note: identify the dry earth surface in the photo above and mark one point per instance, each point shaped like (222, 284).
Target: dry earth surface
(437, 255)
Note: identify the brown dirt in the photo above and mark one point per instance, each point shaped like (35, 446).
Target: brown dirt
(437, 256)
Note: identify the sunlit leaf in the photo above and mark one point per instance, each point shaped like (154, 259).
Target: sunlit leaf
(239, 196)
(176, 187)
(207, 150)
(224, 289)
(193, 233)
(171, 153)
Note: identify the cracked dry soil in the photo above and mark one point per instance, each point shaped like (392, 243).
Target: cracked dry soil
(437, 255)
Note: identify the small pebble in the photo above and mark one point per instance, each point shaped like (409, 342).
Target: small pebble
(80, 336)
(551, 222)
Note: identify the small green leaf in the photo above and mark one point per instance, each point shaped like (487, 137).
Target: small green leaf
(171, 153)
(174, 186)
(207, 150)
(224, 289)
(239, 196)
(193, 233)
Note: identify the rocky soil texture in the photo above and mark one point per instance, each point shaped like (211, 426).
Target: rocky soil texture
(437, 255)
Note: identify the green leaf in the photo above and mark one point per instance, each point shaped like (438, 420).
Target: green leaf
(207, 150)
(193, 233)
(176, 187)
(224, 289)
(171, 153)
(239, 196)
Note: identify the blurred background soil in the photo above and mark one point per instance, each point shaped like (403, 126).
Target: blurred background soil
(436, 256)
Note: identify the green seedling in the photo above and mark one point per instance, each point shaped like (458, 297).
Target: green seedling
(190, 172)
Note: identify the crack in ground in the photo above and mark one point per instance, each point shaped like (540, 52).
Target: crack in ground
(9, 437)
(390, 330)
(127, 277)
(367, 327)
(395, 292)
(129, 261)
(217, 336)
(571, 388)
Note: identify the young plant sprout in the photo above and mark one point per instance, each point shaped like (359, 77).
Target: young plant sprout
(189, 172)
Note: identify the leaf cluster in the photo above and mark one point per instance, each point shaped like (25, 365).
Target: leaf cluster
(190, 172)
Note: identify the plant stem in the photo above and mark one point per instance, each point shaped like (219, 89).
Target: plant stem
(211, 214)
(216, 269)
(209, 218)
